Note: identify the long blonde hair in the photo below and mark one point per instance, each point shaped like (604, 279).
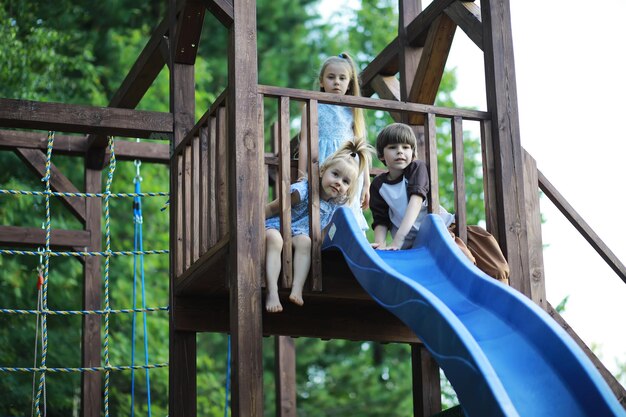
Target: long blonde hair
(354, 89)
(357, 153)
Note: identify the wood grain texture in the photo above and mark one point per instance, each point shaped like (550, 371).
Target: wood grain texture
(535, 243)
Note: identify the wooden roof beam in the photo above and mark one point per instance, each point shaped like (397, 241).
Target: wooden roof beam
(386, 63)
(36, 161)
(75, 118)
(189, 28)
(432, 64)
(466, 14)
(388, 88)
(222, 10)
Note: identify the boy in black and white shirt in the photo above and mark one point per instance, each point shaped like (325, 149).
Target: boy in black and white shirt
(398, 203)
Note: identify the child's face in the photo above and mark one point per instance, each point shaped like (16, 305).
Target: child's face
(336, 78)
(397, 156)
(336, 180)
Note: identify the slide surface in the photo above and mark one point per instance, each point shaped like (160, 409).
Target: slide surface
(503, 354)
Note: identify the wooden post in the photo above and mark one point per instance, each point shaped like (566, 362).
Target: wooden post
(533, 210)
(182, 355)
(426, 383)
(91, 382)
(285, 371)
(502, 104)
(245, 222)
(408, 61)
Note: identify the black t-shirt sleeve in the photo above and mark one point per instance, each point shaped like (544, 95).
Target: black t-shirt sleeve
(417, 177)
(378, 205)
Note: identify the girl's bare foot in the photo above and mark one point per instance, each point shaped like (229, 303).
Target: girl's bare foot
(272, 303)
(296, 298)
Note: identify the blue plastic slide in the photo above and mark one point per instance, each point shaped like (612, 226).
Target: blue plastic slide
(503, 354)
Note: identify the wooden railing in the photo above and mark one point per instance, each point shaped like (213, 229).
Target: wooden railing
(201, 187)
(581, 225)
(310, 99)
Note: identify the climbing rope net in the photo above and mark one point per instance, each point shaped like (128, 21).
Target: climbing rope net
(42, 312)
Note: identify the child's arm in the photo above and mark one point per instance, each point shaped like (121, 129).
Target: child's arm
(380, 237)
(412, 211)
(272, 209)
(365, 194)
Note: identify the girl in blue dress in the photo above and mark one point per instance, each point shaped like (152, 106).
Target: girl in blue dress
(338, 124)
(338, 185)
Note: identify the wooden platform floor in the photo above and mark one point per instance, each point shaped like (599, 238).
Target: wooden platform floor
(342, 310)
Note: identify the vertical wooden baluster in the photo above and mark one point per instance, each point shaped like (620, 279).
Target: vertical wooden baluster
(459, 178)
(213, 180)
(489, 177)
(284, 183)
(314, 207)
(178, 195)
(430, 137)
(187, 190)
(204, 189)
(264, 179)
(195, 197)
(222, 174)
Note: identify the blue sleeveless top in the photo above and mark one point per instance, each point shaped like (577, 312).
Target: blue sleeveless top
(335, 127)
(300, 212)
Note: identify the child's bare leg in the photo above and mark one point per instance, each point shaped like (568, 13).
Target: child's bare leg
(273, 249)
(301, 265)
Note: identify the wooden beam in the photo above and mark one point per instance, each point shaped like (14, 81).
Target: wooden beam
(425, 85)
(285, 376)
(63, 144)
(73, 145)
(582, 226)
(371, 103)
(388, 88)
(409, 56)
(426, 382)
(36, 161)
(502, 104)
(189, 29)
(416, 31)
(158, 153)
(91, 382)
(387, 62)
(222, 10)
(318, 317)
(535, 243)
(466, 14)
(84, 119)
(32, 236)
(183, 349)
(246, 226)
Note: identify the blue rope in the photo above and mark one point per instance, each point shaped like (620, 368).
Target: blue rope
(138, 263)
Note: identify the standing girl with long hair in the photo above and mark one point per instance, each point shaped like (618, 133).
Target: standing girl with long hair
(338, 124)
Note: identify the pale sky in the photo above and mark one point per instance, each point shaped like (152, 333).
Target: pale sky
(571, 90)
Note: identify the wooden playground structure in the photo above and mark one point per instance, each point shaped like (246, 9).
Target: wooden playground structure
(218, 171)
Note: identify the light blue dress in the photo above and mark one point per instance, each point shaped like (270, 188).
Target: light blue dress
(300, 212)
(335, 126)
